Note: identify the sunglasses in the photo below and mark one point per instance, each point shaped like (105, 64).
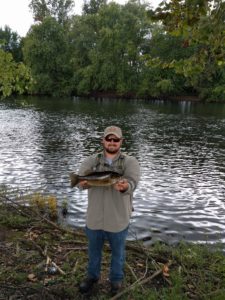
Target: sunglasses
(115, 140)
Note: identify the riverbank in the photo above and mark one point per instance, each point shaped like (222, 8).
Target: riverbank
(128, 96)
(131, 96)
(42, 259)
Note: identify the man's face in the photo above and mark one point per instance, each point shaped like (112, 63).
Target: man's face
(112, 144)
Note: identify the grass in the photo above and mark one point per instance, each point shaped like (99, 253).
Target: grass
(31, 243)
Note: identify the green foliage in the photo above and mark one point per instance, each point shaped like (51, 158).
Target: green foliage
(218, 93)
(165, 86)
(46, 52)
(92, 6)
(111, 43)
(126, 50)
(200, 24)
(168, 47)
(10, 219)
(58, 9)
(14, 77)
(11, 42)
(194, 273)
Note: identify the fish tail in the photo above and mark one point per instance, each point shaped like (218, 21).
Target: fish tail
(74, 178)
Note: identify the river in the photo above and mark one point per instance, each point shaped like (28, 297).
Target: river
(180, 147)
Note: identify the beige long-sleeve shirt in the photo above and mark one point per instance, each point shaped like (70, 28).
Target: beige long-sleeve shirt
(109, 209)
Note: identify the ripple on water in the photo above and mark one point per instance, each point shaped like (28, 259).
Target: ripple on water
(181, 152)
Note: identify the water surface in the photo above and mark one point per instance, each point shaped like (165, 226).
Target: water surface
(180, 147)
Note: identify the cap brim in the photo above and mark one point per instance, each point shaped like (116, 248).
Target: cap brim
(113, 133)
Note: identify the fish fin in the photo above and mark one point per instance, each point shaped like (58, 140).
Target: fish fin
(74, 178)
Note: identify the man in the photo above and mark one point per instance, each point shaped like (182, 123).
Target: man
(109, 208)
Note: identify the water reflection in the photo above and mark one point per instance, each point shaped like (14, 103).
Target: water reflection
(180, 146)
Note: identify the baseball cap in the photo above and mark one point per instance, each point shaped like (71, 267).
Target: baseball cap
(113, 130)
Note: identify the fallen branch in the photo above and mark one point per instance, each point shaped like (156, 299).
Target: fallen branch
(74, 249)
(48, 259)
(57, 267)
(139, 282)
(132, 272)
(18, 207)
(75, 267)
(140, 249)
(214, 293)
(22, 210)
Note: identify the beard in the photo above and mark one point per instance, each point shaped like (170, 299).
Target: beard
(111, 151)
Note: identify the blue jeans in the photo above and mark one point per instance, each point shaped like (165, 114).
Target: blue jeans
(117, 242)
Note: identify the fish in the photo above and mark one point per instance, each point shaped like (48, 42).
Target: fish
(104, 178)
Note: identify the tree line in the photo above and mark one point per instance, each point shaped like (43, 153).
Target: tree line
(129, 50)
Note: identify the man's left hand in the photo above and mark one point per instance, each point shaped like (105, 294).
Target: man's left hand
(121, 185)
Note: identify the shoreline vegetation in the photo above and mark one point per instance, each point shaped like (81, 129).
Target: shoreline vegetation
(129, 96)
(41, 258)
(130, 51)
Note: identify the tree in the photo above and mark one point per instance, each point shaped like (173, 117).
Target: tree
(93, 6)
(47, 53)
(108, 46)
(10, 42)
(158, 78)
(14, 77)
(83, 39)
(58, 9)
(199, 23)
